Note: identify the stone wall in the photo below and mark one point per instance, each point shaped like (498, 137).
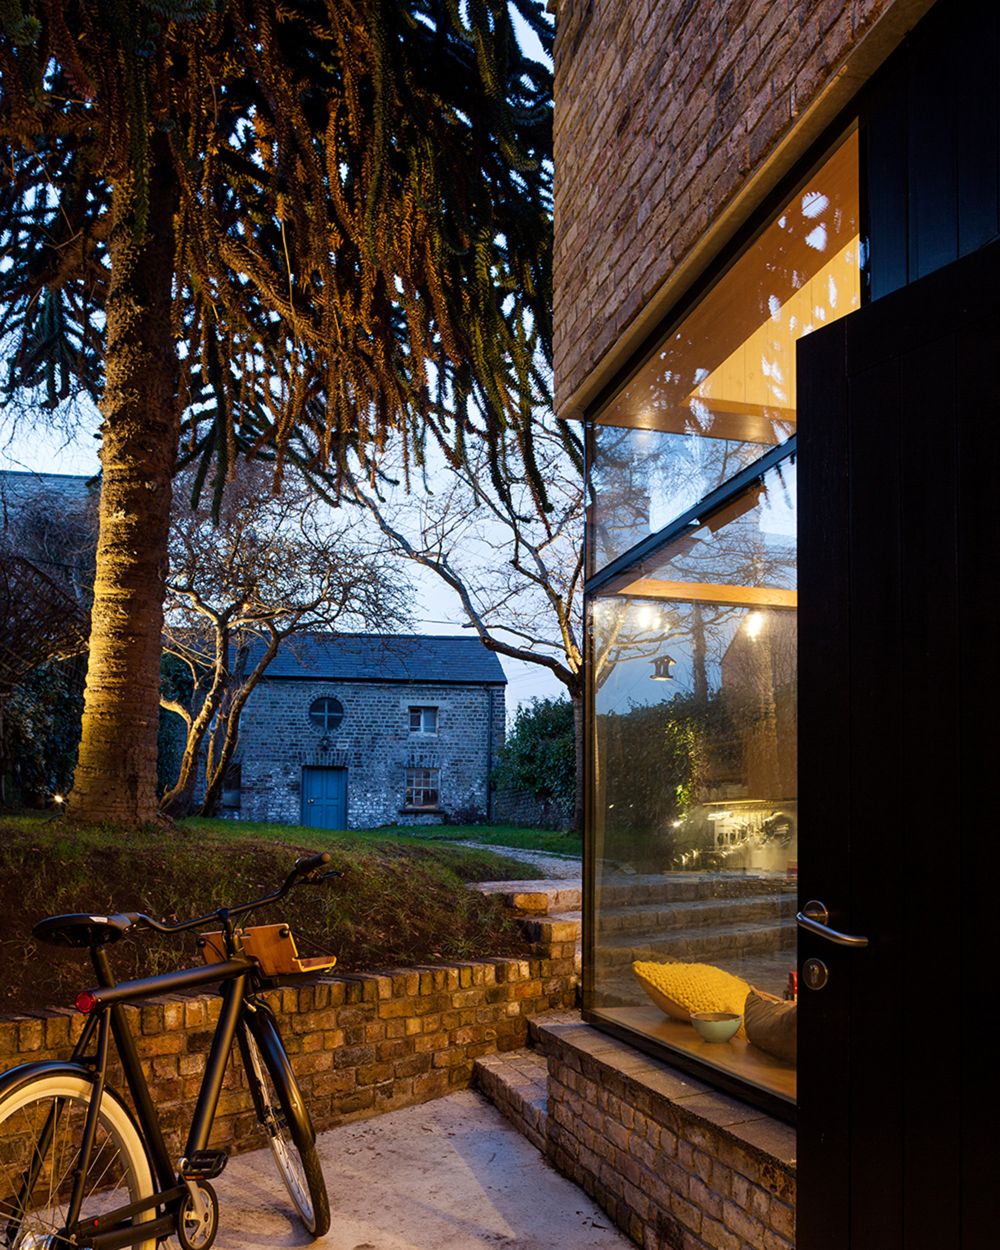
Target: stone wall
(373, 743)
(360, 1045)
(673, 120)
(521, 807)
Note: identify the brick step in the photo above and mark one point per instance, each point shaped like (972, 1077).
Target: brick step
(688, 887)
(701, 913)
(539, 1037)
(696, 945)
(516, 1082)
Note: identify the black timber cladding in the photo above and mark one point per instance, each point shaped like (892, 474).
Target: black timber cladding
(931, 124)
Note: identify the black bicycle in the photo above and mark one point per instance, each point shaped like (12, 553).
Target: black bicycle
(78, 1169)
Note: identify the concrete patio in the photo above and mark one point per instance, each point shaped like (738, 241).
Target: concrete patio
(451, 1174)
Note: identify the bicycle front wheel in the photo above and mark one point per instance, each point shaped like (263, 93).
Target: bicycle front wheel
(41, 1129)
(282, 1114)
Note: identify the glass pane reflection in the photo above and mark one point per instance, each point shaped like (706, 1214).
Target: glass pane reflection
(694, 779)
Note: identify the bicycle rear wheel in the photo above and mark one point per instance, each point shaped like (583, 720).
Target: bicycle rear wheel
(281, 1111)
(41, 1128)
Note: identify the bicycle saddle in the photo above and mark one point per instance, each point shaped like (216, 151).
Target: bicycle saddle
(81, 929)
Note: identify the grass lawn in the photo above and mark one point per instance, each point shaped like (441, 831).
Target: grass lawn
(403, 899)
(546, 840)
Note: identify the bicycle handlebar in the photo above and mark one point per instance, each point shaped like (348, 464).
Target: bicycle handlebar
(307, 870)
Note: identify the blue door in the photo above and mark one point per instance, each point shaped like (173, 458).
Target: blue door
(324, 798)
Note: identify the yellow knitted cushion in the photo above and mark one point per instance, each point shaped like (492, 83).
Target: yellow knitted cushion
(678, 989)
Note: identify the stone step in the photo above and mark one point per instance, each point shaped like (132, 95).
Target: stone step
(539, 1037)
(696, 945)
(698, 914)
(680, 887)
(637, 890)
(516, 1082)
(537, 897)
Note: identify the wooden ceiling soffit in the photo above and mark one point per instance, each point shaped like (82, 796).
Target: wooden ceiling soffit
(706, 592)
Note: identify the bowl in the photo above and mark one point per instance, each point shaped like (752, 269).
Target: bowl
(716, 1026)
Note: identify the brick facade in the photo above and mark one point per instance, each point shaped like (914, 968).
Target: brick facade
(676, 1165)
(673, 121)
(373, 743)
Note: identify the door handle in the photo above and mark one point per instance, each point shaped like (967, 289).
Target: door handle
(814, 916)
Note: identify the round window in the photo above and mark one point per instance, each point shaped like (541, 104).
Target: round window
(327, 713)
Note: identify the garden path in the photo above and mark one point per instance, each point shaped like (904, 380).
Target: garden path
(557, 867)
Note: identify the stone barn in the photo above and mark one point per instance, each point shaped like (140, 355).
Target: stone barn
(363, 730)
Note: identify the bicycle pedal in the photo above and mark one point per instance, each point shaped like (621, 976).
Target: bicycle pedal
(204, 1165)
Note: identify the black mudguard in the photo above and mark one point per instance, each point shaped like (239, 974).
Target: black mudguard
(14, 1078)
(262, 1025)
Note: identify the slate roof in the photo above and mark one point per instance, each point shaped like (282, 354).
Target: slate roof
(427, 658)
(71, 489)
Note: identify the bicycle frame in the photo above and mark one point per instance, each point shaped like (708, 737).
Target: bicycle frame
(108, 1020)
(104, 1006)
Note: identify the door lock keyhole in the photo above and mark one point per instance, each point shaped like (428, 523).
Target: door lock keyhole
(815, 974)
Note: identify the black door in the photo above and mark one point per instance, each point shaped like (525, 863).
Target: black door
(899, 450)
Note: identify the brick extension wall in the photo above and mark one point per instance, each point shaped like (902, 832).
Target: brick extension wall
(677, 1165)
(673, 120)
(360, 1044)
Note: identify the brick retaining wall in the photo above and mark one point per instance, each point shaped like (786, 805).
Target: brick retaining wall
(360, 1044)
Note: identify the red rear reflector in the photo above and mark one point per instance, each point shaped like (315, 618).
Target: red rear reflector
(85, 1002)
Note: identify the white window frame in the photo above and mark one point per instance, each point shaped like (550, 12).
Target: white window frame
(425, 783)
(422, 714)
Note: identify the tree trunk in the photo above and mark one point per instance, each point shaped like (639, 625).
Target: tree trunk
(228, 725)
(176, 802)
(576, 698)
(216, 769)
(699, 654)
(115, 776)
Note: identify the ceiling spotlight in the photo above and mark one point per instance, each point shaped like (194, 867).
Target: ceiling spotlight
(755, 624)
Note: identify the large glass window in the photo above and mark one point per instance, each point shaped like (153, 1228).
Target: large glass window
(693, 789)
(694, 796)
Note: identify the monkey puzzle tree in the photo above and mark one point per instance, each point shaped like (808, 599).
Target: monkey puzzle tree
(226, 219)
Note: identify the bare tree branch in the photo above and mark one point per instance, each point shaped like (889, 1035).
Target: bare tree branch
(273, 567)
(512, 559)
